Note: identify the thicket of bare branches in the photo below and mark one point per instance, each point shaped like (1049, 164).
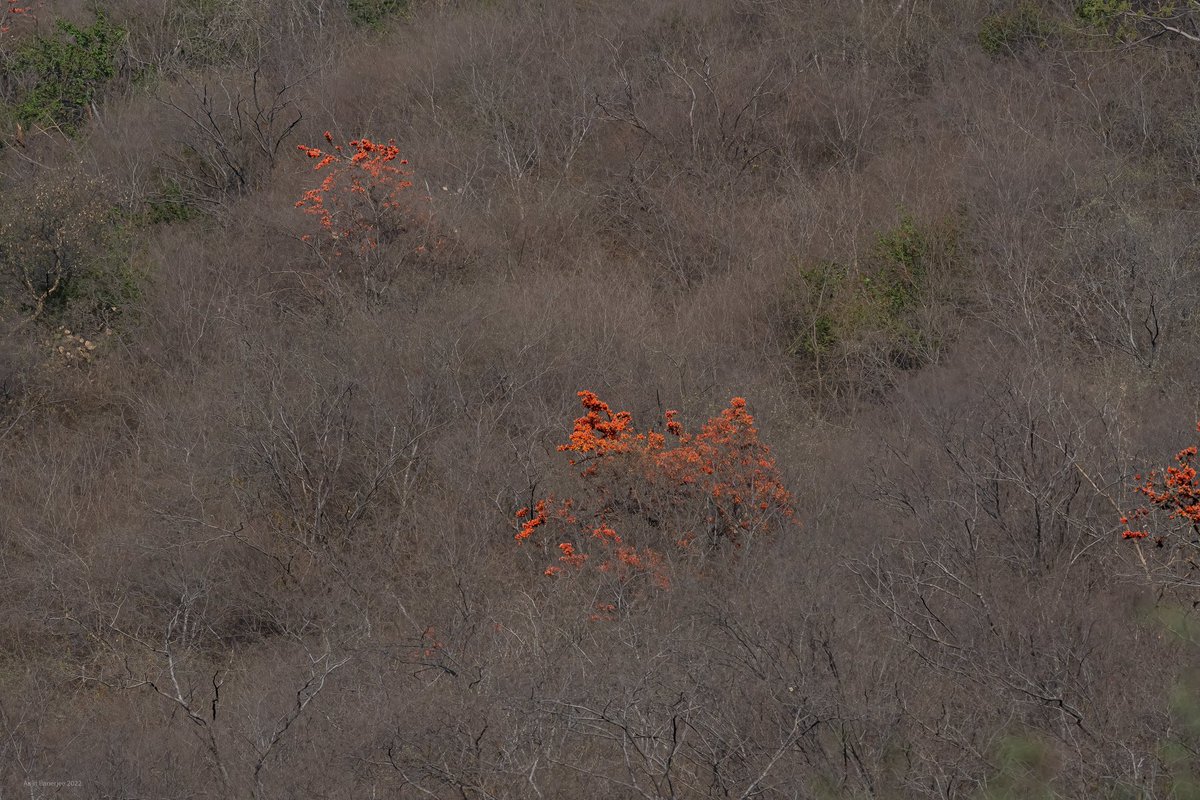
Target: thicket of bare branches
(260, 488)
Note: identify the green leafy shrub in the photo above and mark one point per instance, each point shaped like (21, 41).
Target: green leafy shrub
(1107, 17)
(1014, 31)
(169, 204)
(64, 254)
(53, 80)
(823, 317)
(1140, 20)
(899, 257)
(375, 12)
(874, 310)
(1101, 12)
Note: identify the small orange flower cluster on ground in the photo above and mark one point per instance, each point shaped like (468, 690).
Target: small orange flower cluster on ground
(360, 194)
(1174, 490)
(721, 480)
(430, 645)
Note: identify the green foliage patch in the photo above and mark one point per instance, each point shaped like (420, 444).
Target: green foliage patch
(875, 305)
(1142, 20)
(374, 13)
(1101, 12)
(1010, 32)
(54, 79)
(168, 205)
(64, 254)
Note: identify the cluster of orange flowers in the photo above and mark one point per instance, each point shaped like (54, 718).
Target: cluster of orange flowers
(14, 10)
(430, 645)
(721, 479)
(605, 612)
(1174, 490)
(361, 190)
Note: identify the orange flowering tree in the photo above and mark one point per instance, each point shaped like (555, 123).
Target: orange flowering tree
(14, 10)
(361, 201)
(646, 500)
(1173, 496)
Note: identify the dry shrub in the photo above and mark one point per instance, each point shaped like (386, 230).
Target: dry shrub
(280, 462)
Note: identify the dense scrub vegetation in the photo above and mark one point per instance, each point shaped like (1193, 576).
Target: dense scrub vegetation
(299, 300)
